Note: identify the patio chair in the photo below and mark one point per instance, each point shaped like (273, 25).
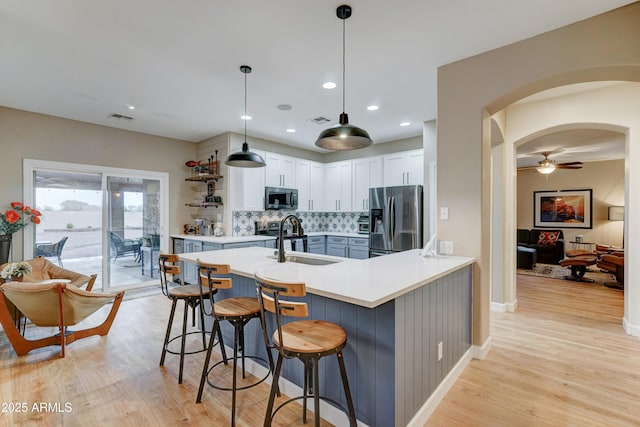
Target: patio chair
(55, 304)
(51, 250)
(121, 247)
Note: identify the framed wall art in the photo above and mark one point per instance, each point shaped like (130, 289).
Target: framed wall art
(562, 209)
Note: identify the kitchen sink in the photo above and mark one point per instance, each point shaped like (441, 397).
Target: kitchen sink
(306, 260)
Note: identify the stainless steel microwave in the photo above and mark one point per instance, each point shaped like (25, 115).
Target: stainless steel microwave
(280, 198)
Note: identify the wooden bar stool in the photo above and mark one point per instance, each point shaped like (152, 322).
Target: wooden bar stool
(307, 340)
(238, 311)
(192, 295)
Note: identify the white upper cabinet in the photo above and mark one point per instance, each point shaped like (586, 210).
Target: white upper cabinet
(310, 185)
(367, 173)
(403, 168)
(337, 191)
(280, 171)
(247, 187)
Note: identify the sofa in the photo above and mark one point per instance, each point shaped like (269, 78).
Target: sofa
(548, 250)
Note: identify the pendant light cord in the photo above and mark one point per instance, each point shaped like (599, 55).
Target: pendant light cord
(245, 107)
(343, 64)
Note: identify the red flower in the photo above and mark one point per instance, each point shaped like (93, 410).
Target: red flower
(11, 216)
(36, 212)
(35, 220)
(17, 205)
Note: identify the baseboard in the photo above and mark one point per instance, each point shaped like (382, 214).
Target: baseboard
(423, 414)
(481, 352)
(500, 307)
(630, 329)
(328, 412)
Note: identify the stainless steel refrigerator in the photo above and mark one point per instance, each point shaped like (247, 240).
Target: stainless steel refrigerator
(395, 219)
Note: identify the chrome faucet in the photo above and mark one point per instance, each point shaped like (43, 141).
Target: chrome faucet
(294, 221)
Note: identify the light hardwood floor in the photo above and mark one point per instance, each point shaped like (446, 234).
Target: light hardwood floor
(562, 359)
(116, 381)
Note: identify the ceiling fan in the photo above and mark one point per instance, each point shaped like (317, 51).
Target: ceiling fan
(546, 165)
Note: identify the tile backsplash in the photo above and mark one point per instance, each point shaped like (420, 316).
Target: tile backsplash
(243, 222)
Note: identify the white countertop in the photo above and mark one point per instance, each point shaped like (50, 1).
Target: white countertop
(222, 239)
(254, 238)
(336, 233)
(368, 282)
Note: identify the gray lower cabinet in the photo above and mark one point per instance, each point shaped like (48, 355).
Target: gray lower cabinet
(270, 244)
(338, 246)
(206, 246)
(258, 243)
(316, 245)
(348, 247)
(189, 269)
(359, 247)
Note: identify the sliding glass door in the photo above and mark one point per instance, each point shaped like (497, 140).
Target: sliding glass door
(133, 229)
(98, 220)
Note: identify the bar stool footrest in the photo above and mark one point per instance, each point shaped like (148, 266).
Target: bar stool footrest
(178, 351)
(225, 362)
(326, 399)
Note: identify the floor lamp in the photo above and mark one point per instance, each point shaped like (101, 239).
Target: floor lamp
(616, 213)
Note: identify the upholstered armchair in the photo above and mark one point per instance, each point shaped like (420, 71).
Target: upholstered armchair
(613, 263)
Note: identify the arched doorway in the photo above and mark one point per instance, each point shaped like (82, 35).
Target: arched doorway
(609, 108)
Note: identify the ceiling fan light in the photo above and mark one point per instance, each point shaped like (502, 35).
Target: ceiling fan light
(546, 166)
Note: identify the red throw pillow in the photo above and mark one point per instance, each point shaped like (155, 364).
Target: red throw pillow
(548, 237)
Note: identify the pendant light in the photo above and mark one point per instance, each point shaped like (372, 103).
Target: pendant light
(343, 136)
(245, 158)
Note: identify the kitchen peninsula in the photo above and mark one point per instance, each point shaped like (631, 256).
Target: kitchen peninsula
(408, 321)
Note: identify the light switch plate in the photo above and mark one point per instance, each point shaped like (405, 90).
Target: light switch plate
(446, 247)
(444, 213)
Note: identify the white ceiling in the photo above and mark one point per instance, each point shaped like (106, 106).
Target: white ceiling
(178, 61)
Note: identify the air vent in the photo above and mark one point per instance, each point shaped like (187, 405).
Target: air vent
(320, 120)
(120, 116)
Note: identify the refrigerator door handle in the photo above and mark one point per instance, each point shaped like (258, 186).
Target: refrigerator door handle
(392, 219)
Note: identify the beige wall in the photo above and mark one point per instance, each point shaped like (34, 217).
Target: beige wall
(605, 179)
(606, 47)
(40, 137)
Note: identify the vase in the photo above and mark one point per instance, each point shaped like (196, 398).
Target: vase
(5, 247)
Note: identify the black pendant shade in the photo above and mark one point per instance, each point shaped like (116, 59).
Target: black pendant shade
(245, 158)
(343, 136)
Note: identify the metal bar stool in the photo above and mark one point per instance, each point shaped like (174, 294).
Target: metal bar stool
(192, 297)
(306, 340)
(238, 311)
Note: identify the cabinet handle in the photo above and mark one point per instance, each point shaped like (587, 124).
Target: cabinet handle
(407, 178)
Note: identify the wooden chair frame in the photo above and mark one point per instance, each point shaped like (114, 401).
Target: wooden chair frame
(22, 346)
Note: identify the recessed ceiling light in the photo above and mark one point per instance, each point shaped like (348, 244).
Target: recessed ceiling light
(131, 107)
(245, 117)
(372, 107)
(284, 107)
(290, 130)
(405, 124)
(329, 85)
